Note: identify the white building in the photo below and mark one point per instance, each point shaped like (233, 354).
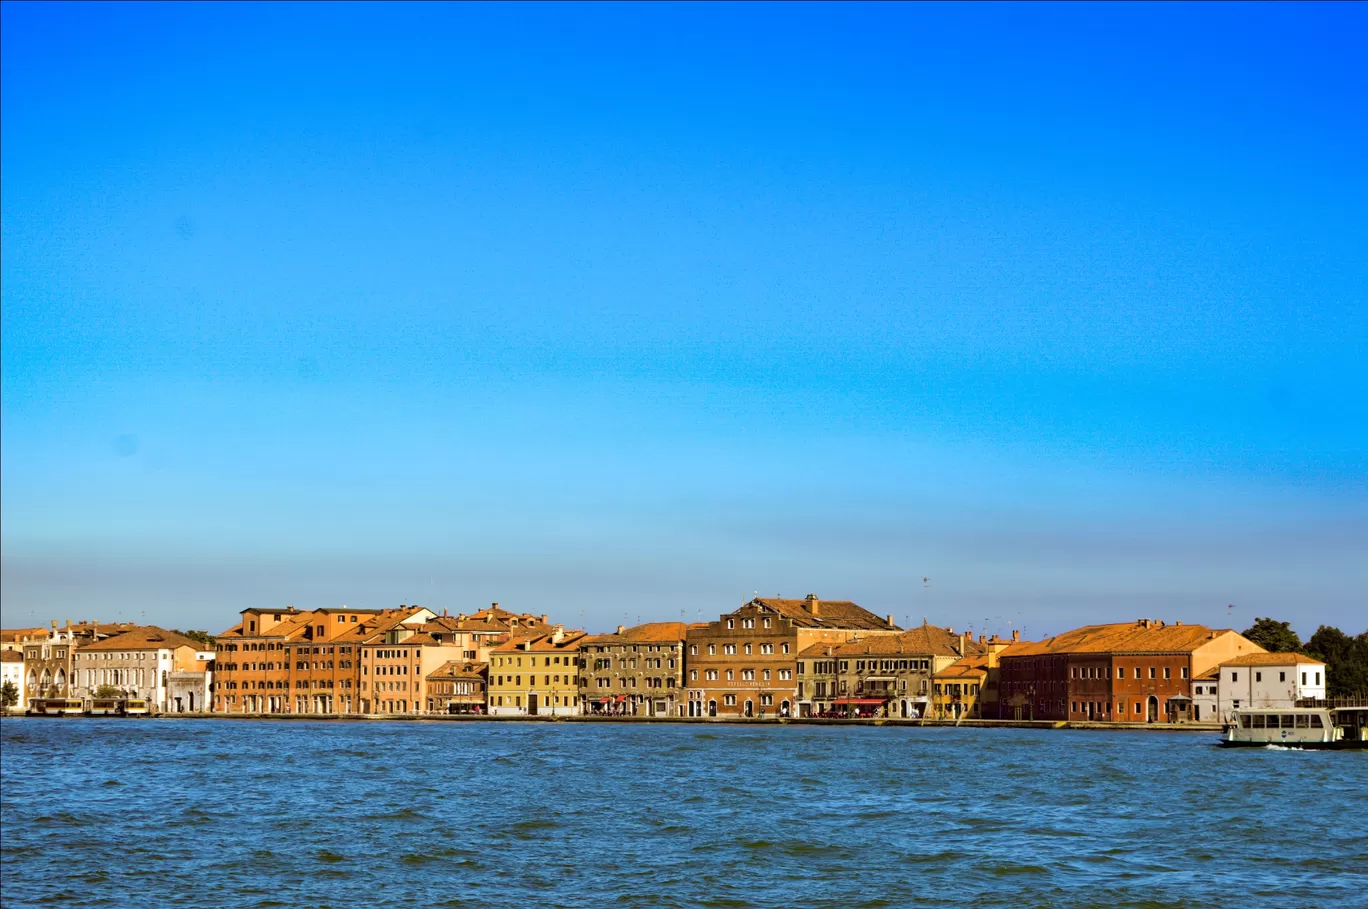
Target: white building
(1205, 696)
(138, 663)
(1268, 680)
(12, 673)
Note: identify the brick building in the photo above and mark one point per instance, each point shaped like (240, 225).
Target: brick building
(745, 663)
(1127, 672)
(636, 671)
(291, 661)
(884, 674)
(457, 686)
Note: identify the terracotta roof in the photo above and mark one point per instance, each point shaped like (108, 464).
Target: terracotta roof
(16, 634)
(1122, 637)
(542, 642)
(649, 633)
(1211, 675)
(968, 667)
(483, 625)
(147, 637)
(459, 669)
(829, 613)
(1272, 659)
(928, 640)
(11, 656)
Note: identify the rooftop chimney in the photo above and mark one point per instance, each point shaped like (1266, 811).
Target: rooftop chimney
(493, 605)
(1016, 635)
(890, 619)
(812, 604)
(543, 618)
(621, 629)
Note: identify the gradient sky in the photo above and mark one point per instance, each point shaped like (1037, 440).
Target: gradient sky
(627, 312)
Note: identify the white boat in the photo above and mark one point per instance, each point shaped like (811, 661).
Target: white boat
(1298, 727)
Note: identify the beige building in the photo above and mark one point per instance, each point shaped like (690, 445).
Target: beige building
(478, 634)
(49, 660)
(139, 663)
(636, 671)
(536, 675)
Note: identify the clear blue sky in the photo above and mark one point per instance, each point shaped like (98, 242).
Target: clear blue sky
(630, 311)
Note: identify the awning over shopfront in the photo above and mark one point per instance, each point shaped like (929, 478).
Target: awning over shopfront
(874, 702)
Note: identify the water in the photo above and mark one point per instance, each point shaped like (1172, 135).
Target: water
(230, 814)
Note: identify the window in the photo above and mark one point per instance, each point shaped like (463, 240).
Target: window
(693, 675)
(748, 675)
(1151, 669)
(748, 623)
(1137, 672)
(765, 622)
(767, 648)
(1234, 676)
(693, 650)
(766, 675)
(1303, 678)
(729, 700)
(730, 675)
(729, 649)
(783, 648)
(730, 623)
(1282, 677)
(1318, 678)
(786, 674)
(712, 650)
(712, 675)
(1137, 703)
(1258, 676)
(1167, 673)
(748, 649)
(1120, 673)
(1184, 671)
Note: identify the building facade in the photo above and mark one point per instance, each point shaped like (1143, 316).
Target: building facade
(1138, 672)
(636, 671)
(459, 687)
(290, 661)
(139, 664)
(1269, 680)
(745, 664)
(886, 674)
(12, 673)
(49, 661)
(536, 675)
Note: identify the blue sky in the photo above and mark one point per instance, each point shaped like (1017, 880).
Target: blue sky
(620, 312)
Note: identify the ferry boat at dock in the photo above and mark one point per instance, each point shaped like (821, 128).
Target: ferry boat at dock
(1309, 728)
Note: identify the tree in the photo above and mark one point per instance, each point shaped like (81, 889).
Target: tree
(203, 637)
(9, 695)
(1274, 636)
(108, 691)
(1346, 661)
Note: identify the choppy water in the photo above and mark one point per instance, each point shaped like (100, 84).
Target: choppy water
(254, 814)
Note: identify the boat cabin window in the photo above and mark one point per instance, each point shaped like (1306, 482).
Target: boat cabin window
(1245, 721)
(1303, 721)
(1288, 721)
(1316, 721)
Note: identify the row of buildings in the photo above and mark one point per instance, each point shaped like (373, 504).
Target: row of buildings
(770, 657)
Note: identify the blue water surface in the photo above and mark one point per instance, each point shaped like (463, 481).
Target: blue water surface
(229, 814)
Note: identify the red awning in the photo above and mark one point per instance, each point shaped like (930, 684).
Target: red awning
(621, 698)
(873, 701)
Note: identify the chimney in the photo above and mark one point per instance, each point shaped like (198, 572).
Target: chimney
(812, 604)
(621, 629)
(981, 638)
(493, 605)
(964, 643)
(950, 630)
(1178, 624)
(543, 618)
(890, 619)
(1016, 635)
(461, 617)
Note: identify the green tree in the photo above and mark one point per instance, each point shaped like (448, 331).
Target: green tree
(203, 637)
(1346, 661)
(108, 691)
(9, 695)
(1274, 636)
